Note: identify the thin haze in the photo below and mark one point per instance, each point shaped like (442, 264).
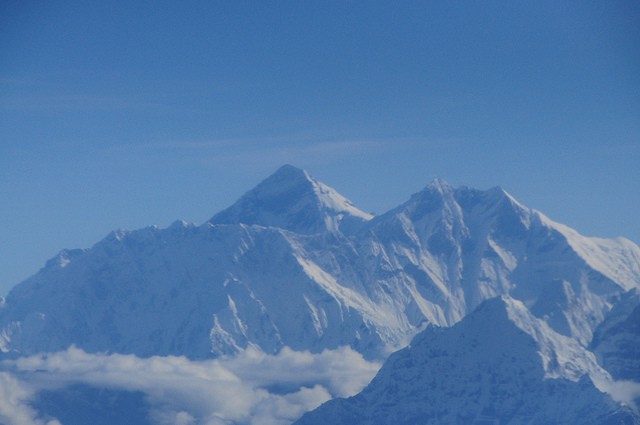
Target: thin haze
(126, 114)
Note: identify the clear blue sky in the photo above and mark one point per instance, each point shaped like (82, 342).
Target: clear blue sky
(123, 114)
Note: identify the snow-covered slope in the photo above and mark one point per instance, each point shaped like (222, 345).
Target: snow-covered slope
(293, 263)
(454, 248)
(199, 291)
(499, 365)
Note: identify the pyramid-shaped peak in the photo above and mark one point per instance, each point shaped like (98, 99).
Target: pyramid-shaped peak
(562, 356)
(512, 310)
(502, 311)
(439, 185)
(291, 171)
(287, 176)
(287, 181)
(487, 369)
(293, 200)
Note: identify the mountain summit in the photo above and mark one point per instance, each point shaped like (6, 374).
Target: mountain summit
(293, 200)
(293, 263)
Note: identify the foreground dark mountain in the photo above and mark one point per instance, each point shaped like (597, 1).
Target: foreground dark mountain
(295, 264)
(500, 365)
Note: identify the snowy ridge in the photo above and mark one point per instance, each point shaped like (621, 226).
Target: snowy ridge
(562, 357)
(293, 263)
(604, 255)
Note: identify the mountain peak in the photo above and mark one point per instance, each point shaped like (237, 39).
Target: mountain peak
(492, 367)
(439, 185)
(293, 200)
(291, 171)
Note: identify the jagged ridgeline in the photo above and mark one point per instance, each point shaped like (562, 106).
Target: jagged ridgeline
(293, 263)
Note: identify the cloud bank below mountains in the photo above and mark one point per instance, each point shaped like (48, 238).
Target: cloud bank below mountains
(250, 388)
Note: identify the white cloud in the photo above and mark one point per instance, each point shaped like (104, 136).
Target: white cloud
(342, 371)
(250, 388)
(284, 409)
(626, 392)
(14, 409)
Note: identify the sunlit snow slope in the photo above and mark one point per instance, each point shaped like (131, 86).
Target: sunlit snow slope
(293, 263)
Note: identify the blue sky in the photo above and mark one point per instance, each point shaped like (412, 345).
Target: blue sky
(126, 114)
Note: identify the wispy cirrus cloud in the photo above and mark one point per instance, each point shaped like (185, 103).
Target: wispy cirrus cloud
(267, 143)
(319, 152)
(251, 153)
(271, 152)
(300, 153)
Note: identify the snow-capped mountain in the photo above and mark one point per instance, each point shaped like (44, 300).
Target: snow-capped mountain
(293, 263)
(498, 365)
(458, 247)
(292, 200)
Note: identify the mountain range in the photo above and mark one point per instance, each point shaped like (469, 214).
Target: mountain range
(295, 264)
